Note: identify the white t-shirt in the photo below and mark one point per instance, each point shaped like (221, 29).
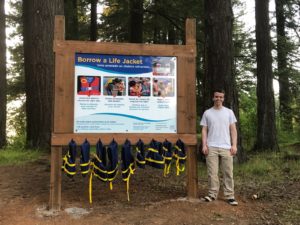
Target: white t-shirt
(218, 121)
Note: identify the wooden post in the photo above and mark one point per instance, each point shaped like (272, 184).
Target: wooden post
(56, 152)
(192, 172)
(55, 178)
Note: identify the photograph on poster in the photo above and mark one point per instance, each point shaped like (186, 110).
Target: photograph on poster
(163, 87)
(163, 66)
(114, 86)
(139, 86)
(88, 85)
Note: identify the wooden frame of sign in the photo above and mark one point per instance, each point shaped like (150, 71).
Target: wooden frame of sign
(63, 115)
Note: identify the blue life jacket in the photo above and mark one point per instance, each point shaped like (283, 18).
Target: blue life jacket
(167, 155)
(99, 162)
(112, 166)
(128, 165)
(180, 156)
(98, 166)
(69, 159)
(85, 158)
(140, 154)
(153, 158)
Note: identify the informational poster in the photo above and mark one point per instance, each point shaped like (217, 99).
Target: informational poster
(125, 94)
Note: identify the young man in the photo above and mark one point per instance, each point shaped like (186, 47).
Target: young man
(219, 141)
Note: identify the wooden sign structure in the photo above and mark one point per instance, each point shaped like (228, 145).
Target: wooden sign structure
(63, 130)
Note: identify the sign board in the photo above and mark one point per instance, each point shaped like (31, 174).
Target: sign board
(125, 94)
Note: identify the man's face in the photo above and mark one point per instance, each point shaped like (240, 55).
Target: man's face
(218, 98)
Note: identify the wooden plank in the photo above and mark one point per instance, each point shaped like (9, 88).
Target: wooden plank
(190, 105)
(64, 93)
(64, 139)
(186, 95)
(190, 76)
(192, 172)
(124, 48)
(181, 95)
(55, 178)
(190, 99)
(59, 28)
(190, 31)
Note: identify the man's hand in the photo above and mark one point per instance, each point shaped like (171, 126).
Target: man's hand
(233, 149)
(205, 149)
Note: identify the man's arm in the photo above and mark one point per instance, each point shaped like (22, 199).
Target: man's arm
(233, 134)
(204, 140)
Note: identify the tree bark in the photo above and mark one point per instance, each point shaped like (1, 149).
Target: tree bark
(266, 124)
(218, 58)
(3, 83)
(93, 28)
(136, 21)
(285, 97)
(38, 18)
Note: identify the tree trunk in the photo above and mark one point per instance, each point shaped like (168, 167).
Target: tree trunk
(136, 21)
(266, 127)
(2, 76)
(218, 58)
(71, 18)
(171, 35)
(39, 68)
(283, 73)
(93, 29)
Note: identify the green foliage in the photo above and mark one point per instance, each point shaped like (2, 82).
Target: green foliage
(248, 120)
(16, 154)
(258, 166)
(160, 19)
(17, 121)
(286, 138)
(16, 80)
(83, 20)
(267, 167)
(16, 157)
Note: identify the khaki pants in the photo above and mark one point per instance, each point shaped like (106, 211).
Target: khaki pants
(222, 157)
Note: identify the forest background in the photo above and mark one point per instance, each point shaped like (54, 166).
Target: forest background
(244, 60)
(244, 57)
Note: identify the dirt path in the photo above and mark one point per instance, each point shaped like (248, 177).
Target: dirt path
(24, 194)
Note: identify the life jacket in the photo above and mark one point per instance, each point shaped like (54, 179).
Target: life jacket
(128, 165)
(69, 159)
(112, 166)
(167, 155)
(85, 158)
(140, 154)
(98, 166)
(153, 158)
(89, 85)
(180, 156)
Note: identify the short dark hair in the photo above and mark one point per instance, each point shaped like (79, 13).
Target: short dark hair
(117, 80)
(220, 90)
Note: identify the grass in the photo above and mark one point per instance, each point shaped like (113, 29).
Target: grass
(12, 156)
(274, 177)
(265, 169)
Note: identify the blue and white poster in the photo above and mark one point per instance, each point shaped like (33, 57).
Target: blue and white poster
(125, 94)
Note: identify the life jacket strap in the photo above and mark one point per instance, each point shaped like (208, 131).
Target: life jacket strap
(90, 187)
(167, 169)
(178, 169)
(152, 150)
(154, 161)
(130, 170)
